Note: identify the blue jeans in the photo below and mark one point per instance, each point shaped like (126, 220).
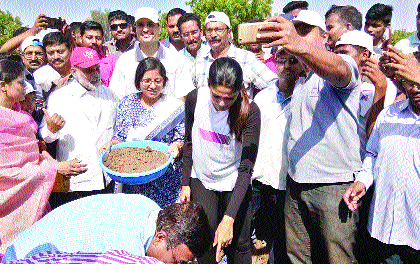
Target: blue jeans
(268, 220)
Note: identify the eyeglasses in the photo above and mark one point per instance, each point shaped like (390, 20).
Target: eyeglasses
(192, 33)
(28, 55)
(114, 27)
(148, 82)
(218, 31)
(292, 61)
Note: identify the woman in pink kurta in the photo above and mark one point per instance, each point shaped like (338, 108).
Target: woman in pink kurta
(26, 175)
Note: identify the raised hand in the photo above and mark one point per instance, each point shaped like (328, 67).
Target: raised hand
(55, 122)
(41, 23)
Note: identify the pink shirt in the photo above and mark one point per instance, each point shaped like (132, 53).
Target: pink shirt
(107, 66)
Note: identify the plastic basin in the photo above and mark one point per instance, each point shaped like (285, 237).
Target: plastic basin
(143, 177)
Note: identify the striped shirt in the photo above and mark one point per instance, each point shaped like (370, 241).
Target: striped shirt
(108, 257)
(256, 74)
(392, 162)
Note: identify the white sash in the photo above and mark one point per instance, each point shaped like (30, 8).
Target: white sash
(168, 112)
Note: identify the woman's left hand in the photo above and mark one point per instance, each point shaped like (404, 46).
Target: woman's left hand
(223, 236)
(176, 148)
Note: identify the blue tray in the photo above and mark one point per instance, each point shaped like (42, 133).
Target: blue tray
(143, 177)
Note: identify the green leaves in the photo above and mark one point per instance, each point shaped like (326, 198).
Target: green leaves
(8, 24)
(239, 11)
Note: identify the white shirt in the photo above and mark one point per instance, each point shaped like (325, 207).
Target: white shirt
(392, 162)
(179, 79)
(255, 73)
(368, 91)
(90, 119)
(271, 165)
(409, 45)
(216, 153)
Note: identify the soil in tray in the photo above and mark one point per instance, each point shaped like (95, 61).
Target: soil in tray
(134, 159)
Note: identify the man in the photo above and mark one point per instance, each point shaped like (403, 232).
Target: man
(57, 72)
(325, 145)
(269, 183)
(76, 39)
(133, 223)
(147, 45)
(218, 35)
(411, 44)
(391, 164)
(174, 40)
(378, 21)
(92, 35)
(294, 7)
(339, 20)
(189, 26)
(120, 29)
(89, 110)
(377, 90)
(32, 53)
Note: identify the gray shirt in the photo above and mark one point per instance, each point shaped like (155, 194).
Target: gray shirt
(327, 139)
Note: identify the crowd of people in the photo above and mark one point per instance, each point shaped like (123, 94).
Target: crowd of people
(306, 139)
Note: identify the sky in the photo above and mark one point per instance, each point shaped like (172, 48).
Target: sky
(79, 10)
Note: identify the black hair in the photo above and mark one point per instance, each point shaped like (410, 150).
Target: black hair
(19, 31)
(10, 70)
(188, 17)
(418, 8)
(117, 15)
(186, 223)
(131, 20)
(227, 72)
(295, 5)
(380, 12)
(75, 27)
(149, 64)
(90, 25)
(56, 38)
(175, 11)
(11, 56)
(346, 14)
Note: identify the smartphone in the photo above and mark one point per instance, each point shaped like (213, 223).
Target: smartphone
(55, 23)
(247, 32)
(376, 58)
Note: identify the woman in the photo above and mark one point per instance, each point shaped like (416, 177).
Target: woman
(27, 175)
(222, 133)
(150, 114)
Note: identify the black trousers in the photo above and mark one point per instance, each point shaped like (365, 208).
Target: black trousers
(57, 198)
(215, 204)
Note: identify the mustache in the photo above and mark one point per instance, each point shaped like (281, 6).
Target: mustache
(214, 40)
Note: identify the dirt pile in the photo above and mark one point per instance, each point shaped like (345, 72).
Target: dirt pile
(134, 159)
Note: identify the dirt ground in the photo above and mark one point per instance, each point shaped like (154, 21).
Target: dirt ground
(259, 252)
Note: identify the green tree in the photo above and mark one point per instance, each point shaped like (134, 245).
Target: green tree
(101, 17)
(239, 11)
(8, 24)
(163, 31)
(398, 35)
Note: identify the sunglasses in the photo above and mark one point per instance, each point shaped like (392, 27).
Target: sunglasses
(114, 27)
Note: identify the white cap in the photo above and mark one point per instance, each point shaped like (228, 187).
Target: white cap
(218, 16)
(310, 17)
(29, 41)
(358, 38)
(148, 13)
(29, 88)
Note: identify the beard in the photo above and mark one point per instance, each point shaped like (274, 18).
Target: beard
(89, 85)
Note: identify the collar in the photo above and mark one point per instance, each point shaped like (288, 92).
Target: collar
(230, 52)
(77, 90)
(139, 56)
